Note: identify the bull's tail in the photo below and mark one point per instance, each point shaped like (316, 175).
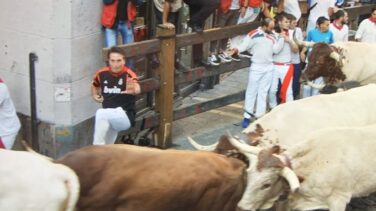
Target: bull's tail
(29, 149)
(72, 185)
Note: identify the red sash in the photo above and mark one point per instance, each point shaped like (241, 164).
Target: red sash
(285, 83)
(2, 146)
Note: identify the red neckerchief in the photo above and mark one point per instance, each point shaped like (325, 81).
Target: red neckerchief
(286, 32)
(336, 26)
(1, 80)
(373, 20)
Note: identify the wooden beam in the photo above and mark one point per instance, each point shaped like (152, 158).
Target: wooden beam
(355, 11)
(149, 85)
(208, 105)
(214, 34)
(203, 72)
(137, 48)
(164, 95)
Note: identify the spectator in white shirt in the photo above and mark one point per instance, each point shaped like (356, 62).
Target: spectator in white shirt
(339, 28)
(290, 7)
(319, 8)
(367, 29)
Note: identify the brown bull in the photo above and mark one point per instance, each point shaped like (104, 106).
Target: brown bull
(122, 177)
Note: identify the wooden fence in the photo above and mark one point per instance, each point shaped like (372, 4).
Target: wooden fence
(161, 112)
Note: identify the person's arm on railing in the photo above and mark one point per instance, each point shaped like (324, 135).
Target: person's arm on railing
(166, 11)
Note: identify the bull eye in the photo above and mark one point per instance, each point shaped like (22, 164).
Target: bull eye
(265, 186)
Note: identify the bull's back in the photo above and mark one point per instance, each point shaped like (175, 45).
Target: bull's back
(359, 61)
(290, 123)
(135, 178)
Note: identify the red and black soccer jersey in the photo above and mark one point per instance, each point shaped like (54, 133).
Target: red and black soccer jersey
(112, 84)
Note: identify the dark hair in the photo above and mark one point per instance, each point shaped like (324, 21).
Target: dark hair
(321, 20)
(291, 17)
(266, 21)
(279, 18)
(338, 14)
(373, 9)
(115, 50)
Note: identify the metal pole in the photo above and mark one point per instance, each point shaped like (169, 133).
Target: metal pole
(33, 103)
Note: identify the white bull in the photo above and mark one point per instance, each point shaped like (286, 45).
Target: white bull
(289, 123)
(32, 182)
(341, 62)
(332, 164)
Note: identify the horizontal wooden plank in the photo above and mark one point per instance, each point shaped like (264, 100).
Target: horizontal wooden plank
(149, 85)
(203, 72)
(208, 105)
(214, 34)
(137, 48)
(355, 11)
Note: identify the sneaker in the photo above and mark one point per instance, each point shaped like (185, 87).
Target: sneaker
(224, 58)
(245, 122)
(245, 54)
(236, 57)
(214, 60)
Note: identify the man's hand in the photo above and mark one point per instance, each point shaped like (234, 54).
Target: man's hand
(98, 98)
(133, 88)
(302, 56)
(168, 25)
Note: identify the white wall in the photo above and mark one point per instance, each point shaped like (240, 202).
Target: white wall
(66, 36)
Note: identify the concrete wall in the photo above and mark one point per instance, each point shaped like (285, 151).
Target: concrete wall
(67, 38)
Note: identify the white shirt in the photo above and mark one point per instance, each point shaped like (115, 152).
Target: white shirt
(284, 55)
(298, 34)
(235, 5)
(292, 7)
(9, 122)
(339, 35)
(175, 5)
(321, 9)
(366, 31)
(261, 45)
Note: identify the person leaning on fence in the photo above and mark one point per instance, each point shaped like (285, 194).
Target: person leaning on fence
(262, 44)
(9, 122)
(167, 12)
(199, 11)
(115, 86)
(338, 26)
(367, 29)
(228, 14)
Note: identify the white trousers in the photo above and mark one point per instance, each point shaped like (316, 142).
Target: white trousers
(8, 140)
(259, 80)
(108, 122)
(309, 91)
(279, 74)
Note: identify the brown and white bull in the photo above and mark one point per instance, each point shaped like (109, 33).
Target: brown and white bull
(323, 171)
(289, 123)
(32, 182)
(124, 177)
(341, 62)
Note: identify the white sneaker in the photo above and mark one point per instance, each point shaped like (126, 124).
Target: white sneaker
(213, 60)
(245, 54)
(224, 57)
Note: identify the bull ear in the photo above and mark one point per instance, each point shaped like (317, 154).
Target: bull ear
(202, 147)
(291, 178)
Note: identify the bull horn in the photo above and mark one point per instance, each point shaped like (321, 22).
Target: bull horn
(304, 43)
(291, 178)
(334, 55)
(316, 86)
(202, 147)
(245, 148)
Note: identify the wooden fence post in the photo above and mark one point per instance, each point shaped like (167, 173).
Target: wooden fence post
(164, 96)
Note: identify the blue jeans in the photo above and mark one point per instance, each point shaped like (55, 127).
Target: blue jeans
(126, 31)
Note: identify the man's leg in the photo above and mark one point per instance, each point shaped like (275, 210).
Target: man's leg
(126, 31)
(110, 37)
(262, 92)
(8, 141)
(296, 83)
(274, 87)
(203, 9)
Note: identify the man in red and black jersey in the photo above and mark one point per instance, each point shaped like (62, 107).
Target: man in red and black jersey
(115, 87)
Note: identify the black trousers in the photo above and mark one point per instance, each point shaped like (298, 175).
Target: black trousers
(199, 10)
